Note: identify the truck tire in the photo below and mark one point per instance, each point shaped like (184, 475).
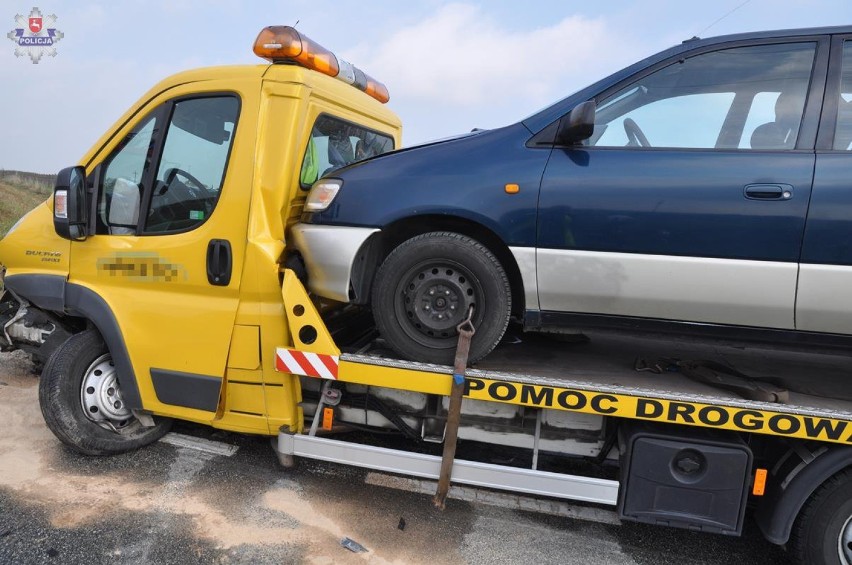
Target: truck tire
(78, 378)
(822, 533)
(424, 289)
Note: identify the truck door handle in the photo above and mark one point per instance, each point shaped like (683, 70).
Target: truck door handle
(219, 262)
(768, 191)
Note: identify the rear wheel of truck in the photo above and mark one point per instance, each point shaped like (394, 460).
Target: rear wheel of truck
(426, 287)
(82, 404)
(823, 530)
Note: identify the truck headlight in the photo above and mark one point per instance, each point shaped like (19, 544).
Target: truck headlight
(322, 193)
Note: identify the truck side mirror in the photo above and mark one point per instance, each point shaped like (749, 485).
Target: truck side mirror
(578, 125)
(70, 210)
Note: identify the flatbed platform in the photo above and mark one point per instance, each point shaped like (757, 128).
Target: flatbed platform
(599, 376)
(538, 370)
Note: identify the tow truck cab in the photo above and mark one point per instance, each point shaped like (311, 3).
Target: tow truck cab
(181, 209)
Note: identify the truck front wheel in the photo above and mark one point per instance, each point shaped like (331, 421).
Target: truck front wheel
(822, 533)
(82, 404)
(426, 287)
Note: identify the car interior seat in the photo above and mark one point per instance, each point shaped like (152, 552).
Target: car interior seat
(781, 133)
(340, 153)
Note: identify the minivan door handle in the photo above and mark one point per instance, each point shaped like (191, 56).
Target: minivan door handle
(219, 262)
(768, 191)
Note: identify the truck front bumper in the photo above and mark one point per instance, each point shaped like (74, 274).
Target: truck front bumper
(329, 253)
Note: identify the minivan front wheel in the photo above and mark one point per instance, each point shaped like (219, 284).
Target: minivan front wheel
(82, 404)
(427, 286)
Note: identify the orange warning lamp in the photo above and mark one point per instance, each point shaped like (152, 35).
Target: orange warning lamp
(283, 43)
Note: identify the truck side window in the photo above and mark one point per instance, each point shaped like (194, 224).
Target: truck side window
(121, 184)
(741, 98)
(192, 167)
(335, 143)
(843, 133)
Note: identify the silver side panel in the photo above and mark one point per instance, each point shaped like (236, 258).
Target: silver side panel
(824, 301)
(539, 483)
(329, 252)
(525, 258)
(722, 291)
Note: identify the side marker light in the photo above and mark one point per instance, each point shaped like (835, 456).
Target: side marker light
(512, 188)
(327, 418)
(759, 482)
(60, 204)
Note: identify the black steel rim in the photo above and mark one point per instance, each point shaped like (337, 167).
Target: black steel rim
(433, 297)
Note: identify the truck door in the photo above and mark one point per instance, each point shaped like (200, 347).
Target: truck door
(824, 300)
(172, 192)
(689, 201)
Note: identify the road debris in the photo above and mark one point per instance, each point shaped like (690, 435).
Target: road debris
(353, 545)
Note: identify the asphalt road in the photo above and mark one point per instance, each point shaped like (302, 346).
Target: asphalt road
(168, 504)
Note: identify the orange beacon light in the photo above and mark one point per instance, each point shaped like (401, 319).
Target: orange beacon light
(284, 43)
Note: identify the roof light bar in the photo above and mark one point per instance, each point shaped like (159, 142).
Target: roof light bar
(284, 43)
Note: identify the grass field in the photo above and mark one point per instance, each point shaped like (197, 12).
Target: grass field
(19, 193)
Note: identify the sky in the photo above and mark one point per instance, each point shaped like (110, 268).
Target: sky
(449, 66)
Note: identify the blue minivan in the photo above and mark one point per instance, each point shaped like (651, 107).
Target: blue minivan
(706, 188)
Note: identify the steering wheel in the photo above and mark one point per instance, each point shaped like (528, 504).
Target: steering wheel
(635, 136)
(172, 174)
(181, 200)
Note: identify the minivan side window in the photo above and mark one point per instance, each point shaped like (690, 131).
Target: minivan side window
(335, 143)
(749, 98)
(843, 133)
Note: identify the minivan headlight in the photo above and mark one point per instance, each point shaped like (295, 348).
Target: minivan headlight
(322, 193)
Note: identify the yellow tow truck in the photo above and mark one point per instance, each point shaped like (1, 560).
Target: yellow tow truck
(155, 285)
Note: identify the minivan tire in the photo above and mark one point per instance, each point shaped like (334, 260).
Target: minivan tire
(424, 289)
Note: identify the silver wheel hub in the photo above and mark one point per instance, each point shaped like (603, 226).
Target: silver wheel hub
(100, 396)
(844, 543)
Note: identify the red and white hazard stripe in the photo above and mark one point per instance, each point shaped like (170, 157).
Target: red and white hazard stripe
(307, 364)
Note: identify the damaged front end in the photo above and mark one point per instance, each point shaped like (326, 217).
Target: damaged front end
(25, 327)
